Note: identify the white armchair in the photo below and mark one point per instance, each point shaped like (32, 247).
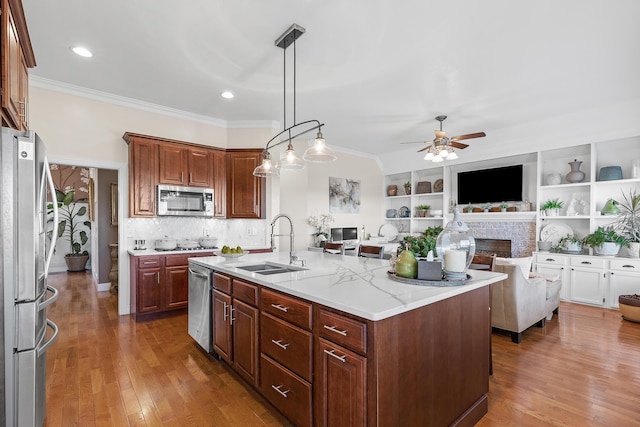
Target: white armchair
(519, 302)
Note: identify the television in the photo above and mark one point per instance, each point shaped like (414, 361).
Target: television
(502, 184)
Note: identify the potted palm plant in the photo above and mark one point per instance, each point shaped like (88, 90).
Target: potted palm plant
(628, 222)
(552, 207)
(71, 213)
(605, 241)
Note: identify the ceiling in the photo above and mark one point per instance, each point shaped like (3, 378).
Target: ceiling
(376, 72)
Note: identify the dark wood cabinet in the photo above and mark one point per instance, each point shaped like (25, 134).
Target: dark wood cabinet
(219, 161)
(245, 192)
(160, 282)
(235, 325)
(185, 166)
(143, 176)
(341, 382)
(16, 58)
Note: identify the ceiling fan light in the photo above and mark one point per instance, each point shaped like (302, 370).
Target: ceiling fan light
(452, 155)
(429, 156)
(443, 153)
(437, 159)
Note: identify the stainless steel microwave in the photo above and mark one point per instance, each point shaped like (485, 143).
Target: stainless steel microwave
(185, 201)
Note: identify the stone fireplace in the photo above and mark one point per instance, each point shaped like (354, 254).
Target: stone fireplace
(520, 233)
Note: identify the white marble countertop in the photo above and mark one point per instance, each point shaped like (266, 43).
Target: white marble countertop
(151, 251)
(359, 286)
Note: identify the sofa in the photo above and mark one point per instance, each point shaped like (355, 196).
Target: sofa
(521, 300)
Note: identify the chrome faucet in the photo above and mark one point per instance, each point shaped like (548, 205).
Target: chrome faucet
(292, 256)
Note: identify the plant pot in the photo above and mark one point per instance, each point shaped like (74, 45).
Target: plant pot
(607, 249)
(76, 262)
(634, 249)
(629, 307)
(407, 191)
(552, 212)
(573, 247)
(429, 270)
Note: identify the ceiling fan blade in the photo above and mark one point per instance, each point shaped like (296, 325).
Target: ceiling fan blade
(414, 142)
(459, 145)
(425, 148)
(469, 136)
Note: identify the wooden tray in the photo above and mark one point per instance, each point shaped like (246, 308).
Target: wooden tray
(440, 283)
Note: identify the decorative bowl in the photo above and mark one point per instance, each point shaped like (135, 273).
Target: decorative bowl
(228, 256)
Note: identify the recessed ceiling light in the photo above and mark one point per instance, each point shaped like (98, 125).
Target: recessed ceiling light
(226, 94)
(82, 51)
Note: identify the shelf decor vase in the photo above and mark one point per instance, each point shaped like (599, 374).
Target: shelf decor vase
(456, 247)
(575, 175)
(392, 190)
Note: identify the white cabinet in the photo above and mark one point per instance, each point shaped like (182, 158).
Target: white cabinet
(400, 210)
(588, 280)
(555, 265)
(624, 279)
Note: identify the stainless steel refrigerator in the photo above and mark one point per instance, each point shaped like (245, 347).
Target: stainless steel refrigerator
(25, 253)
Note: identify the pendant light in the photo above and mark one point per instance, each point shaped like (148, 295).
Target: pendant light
(319, 152)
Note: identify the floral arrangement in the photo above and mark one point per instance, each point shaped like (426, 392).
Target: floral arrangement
(321, 223)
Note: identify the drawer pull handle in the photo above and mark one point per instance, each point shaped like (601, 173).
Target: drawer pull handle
(336, 330)
(148, 262)
(279, 307)
(332, 353)
(231, 318)
(277, 388)
(550, 260)
(628, 266)
(586, 262)
(279, 344)
(224, 311)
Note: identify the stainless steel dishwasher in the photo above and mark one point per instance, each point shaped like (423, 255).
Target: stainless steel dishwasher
(200, 311)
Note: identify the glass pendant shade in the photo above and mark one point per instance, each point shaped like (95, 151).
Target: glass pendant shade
(429, 156)
(266, 168)
(319, 152)
(290, 160)
(444, 153)
(437, 159)
(455, 247)
(452, 155)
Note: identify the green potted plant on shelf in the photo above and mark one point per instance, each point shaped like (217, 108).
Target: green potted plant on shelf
(628, 221)
(70, 213)
(422, 210)
(570, 243)
(552, 207)
(423, 250)
(504, 206)
(605, 241)
(407, 188)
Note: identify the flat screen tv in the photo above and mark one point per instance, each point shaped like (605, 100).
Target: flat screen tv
(490, 185)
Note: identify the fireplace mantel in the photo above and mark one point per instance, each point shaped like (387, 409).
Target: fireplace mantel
(529, 216)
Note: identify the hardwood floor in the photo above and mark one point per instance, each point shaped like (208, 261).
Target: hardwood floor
(581, 369)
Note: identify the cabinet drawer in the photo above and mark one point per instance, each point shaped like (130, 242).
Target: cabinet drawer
(245, 291)
(149, 261)
(632, 265)
(222, 283)
(290, 394)
(288, 344)
(342, 330)
(549, 258)
(173, 260)
(285, 307)
(588, 262)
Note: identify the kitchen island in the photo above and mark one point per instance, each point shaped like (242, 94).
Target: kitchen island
(340, 343)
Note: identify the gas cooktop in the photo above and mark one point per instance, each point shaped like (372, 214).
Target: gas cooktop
(196, 248)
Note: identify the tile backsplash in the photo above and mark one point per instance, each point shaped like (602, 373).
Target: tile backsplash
(244, 232)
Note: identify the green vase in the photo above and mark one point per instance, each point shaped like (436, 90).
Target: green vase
(407, 265)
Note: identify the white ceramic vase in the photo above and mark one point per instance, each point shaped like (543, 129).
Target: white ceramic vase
(634, 249)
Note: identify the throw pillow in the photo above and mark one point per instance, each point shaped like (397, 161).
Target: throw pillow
(524, 264)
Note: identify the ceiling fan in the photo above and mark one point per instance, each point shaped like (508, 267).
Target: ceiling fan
(442, 146)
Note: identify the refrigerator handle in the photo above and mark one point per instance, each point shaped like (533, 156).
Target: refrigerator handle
(53, 298)
(46, 345)
(54, 234)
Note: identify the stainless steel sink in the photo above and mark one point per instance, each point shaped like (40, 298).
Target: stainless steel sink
(271, 268)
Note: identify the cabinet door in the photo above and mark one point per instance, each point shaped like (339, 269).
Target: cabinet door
(245, 192)
(342, 386)
(172, 164)
(149, 290)
(143, 178)
(588, 285)
(219, 184)
(221, 325)
(199, 166)
(622, 283)
(176, 286)
(245, 340)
